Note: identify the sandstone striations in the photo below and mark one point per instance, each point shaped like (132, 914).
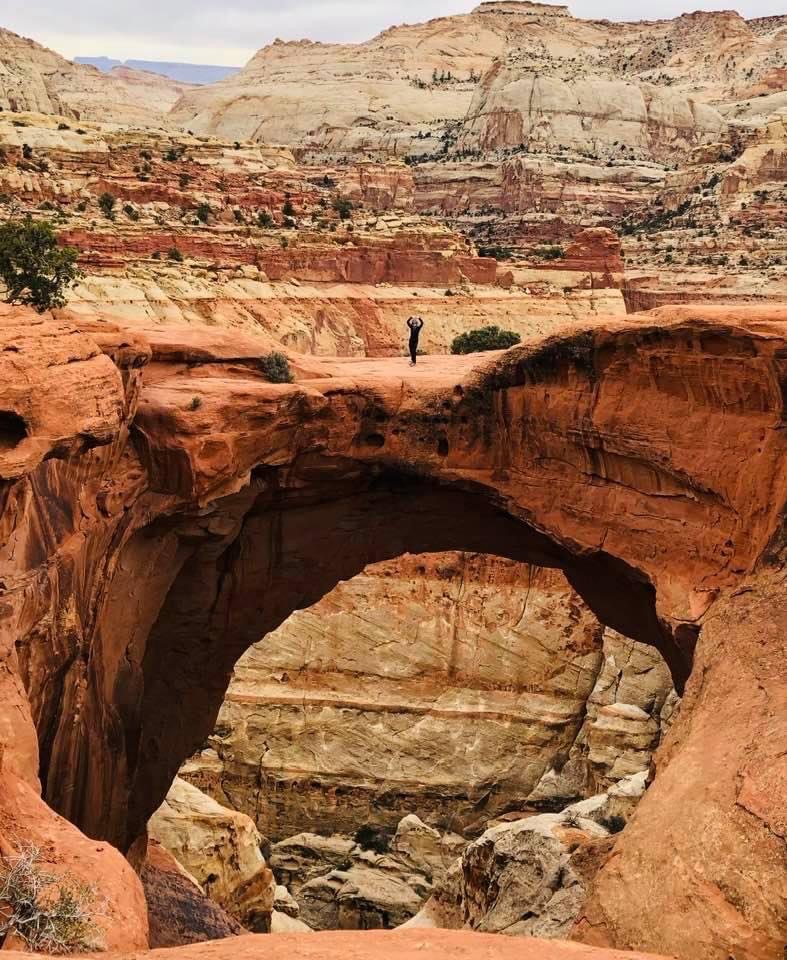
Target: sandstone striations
(447, 685)
(520, 124)
(147, 541)
(503, 75)
(198, 234)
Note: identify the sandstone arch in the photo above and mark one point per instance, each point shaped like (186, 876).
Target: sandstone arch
(647, 460)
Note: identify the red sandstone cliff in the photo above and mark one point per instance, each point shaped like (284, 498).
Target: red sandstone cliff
(148, 539)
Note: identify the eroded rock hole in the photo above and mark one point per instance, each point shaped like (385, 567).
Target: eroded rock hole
(13, 430)
(366, 746)
(375, 440)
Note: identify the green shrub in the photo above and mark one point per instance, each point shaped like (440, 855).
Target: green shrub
(130, 212)
(498, 253)
(288, 210)
(34, 269)
(487, 338)
(343, 207)
(371, 837)
(195, 403)
(276, 368)
(175, 255)
(614, 824)
(107, 204)
(52, 914)
(203, 213)
(264, 219)
(549, 253)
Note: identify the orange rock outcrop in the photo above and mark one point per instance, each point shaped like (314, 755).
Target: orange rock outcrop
(158, 518)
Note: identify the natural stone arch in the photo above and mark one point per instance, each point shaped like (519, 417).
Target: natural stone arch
(646, 455)
(272, 495)
(233, 591)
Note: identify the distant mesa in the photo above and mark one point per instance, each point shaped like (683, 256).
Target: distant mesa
(200, 73)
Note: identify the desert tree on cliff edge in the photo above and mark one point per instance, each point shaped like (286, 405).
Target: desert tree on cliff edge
(34, 270)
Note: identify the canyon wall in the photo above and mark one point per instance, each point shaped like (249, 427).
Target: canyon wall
(445, 686)
(464, 80)
(312, 281)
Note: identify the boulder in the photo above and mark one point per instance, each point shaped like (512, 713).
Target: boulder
(220, 848)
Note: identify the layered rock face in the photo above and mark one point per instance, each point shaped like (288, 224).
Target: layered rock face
(147, 541)
(447, 686)
(515, 105)
(716, 226)
(520, 124)
(312, 281)
(597, 83)
(33, 78)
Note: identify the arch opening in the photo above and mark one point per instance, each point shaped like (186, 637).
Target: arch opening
(207, 587)
(13, 430)
(382, 731)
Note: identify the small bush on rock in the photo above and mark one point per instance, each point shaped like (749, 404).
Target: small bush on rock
(107, 204)
(276, 368)
(343, 207)
(549, 253)
(614, 824)
(370, 837)
(52, 914)
(487, 338)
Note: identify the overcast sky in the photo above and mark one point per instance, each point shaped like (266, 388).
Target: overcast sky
(229, 32)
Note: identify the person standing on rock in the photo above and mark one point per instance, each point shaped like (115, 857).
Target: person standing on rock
(415, 324)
